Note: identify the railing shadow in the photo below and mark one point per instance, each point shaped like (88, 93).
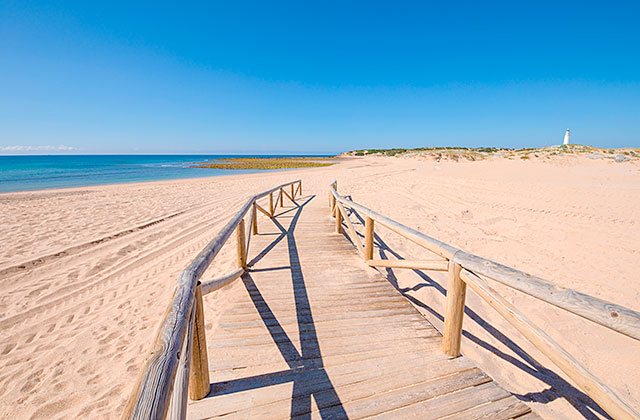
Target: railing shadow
(306, 370)
(559, 387)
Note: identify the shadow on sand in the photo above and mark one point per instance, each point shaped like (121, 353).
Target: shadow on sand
(558, 386)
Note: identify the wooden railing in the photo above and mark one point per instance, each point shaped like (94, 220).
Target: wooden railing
(178, 361)
(467, 269)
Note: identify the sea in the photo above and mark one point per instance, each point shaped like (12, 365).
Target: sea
(26, 173)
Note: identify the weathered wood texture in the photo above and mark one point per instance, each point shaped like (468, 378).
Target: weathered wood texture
(338, 220)
(249, 235)
(241, 243)
(289, 196)
(369, 236)
(477, 269)
(355, 239)
(608, 314)
(592, 386)
(454, 311)
(151, 396)
(178, 406)
(214, 284)
(433, 265)
(271, 207)
(199, 377)
(438, 247)
(262, 210)
(254, 220)
(310, 332)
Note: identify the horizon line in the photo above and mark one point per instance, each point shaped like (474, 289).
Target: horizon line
(174, 154)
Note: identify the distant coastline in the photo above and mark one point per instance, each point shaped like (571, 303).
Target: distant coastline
(38, 172)
(482, 153)
(267, 163)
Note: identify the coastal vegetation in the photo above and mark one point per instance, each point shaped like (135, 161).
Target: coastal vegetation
(267, 163)
(481, 153)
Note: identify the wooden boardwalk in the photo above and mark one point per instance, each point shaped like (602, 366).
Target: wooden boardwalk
(314, 332)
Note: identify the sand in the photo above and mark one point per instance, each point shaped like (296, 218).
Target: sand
(86, 273)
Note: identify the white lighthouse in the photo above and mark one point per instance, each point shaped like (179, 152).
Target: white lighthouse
(567, 134)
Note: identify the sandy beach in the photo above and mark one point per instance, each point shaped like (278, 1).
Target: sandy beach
(86, 273)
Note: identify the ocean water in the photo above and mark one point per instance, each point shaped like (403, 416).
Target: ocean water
(24, 173)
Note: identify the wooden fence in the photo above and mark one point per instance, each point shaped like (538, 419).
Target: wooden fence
(465, 269)
(178, 362)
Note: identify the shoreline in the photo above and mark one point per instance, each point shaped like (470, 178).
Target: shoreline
(114, 184)
(227, 173)
(49, 172)
(563, 160)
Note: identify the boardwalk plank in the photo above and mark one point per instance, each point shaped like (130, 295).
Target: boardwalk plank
(450, 403)
(506, 408)
(314, 332)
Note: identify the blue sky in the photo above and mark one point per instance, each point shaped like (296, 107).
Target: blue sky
(321, 77)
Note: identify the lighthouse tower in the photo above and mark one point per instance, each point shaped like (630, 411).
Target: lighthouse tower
(567, 134)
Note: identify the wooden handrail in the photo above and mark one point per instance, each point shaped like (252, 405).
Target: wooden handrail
(219, 282)
(593, 387)
(151, 395)
(616, 317)
(438, 247)
(180, 392)
(249, 228)
(465, 268)
(433, 265)
(352, 232)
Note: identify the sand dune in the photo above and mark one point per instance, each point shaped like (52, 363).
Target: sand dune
(86, 273)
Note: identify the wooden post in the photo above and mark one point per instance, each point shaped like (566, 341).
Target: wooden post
(368, 238)
(199, 385)
(338, 220)
(334, 207)
(281, 198)
(271, 209)
(454, 312)
(293, 193)
(241, 257)
(254, 220)
(300, 187)
(180, 394)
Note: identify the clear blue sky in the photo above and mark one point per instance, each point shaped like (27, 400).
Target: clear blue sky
(327, 76)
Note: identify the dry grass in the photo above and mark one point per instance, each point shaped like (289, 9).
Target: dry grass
(472, 154)
(267, 163)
